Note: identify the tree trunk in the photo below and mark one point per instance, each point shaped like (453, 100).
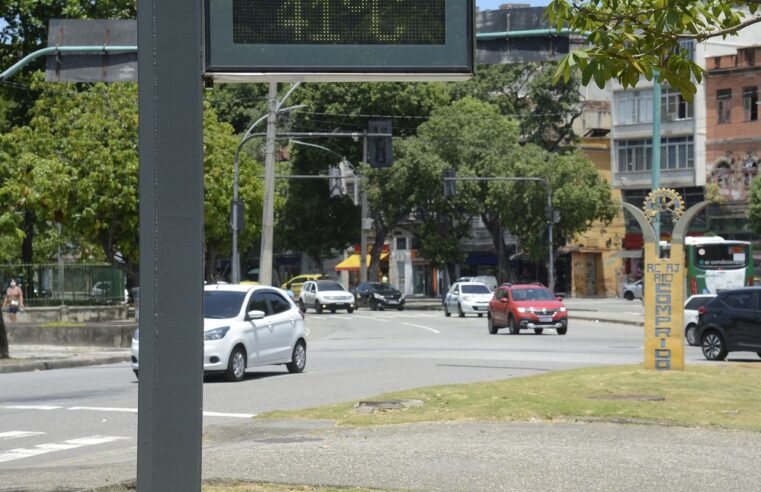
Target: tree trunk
(210, 260)
(27, 245)
(495, 229)
(3, 339)
(380, 238)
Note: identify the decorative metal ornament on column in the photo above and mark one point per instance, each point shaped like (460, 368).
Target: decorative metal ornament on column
(664, 279)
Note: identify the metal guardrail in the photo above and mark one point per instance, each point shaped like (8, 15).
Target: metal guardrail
(55, 284)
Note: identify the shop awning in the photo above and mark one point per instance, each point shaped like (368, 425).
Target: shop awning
(351, 263)
(628, 253)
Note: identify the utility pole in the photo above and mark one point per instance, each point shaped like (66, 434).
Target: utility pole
(656, 164)
(363, 231)
(268, 219)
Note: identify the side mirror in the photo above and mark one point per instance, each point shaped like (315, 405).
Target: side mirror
(559, 298)
(255, 314)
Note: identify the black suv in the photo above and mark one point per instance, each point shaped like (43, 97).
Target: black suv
(731, 323)
(379, 295)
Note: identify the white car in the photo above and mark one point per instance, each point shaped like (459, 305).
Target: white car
(632, 290)
(691, 307)
(467, 297)
(325, 294)
(247, 326)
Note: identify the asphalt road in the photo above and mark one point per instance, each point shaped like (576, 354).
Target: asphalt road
(71, 429)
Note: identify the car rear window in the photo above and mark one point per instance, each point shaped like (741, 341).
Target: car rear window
(475, 289)
(323, 285)
(698, 302)
(539, 294)
(739, 300)
(221, 304)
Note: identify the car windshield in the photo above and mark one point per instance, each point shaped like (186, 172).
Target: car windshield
(382, 288)
(323, 285)
(222, 304)
(475, 289)
(532, 295)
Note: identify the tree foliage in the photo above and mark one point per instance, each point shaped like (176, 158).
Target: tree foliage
(527, 92)
(629, 39)
(754, 206)
(76, 164)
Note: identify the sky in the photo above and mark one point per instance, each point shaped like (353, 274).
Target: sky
(494, 4)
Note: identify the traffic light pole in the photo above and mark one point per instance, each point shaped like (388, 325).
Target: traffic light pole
(550, 211)
(363, 230)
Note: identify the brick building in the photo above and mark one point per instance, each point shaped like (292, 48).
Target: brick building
(733, 137)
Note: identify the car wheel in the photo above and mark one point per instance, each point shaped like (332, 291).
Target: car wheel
(302, 307)
(332, 310)
(349, 310)
(492, 327)
(514, 330)
(563, 331)
(538, 331)
(629, 296)
(757, 353)
(689, 333)
(318, 307)
(446, 311)
(713, 346)
(480, 315)
(459, 311)
(298, 358)
(400, 308)
(373, 306)
(236, 364)
(136, 373)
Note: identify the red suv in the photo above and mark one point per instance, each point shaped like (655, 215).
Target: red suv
(526, 307)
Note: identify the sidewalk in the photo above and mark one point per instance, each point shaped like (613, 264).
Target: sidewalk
(44, 357)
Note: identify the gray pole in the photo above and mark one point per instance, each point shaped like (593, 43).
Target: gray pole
(268, 219)
(171, 213)
(363, 231)
(235, 259)
(551, 265)
(656, 164)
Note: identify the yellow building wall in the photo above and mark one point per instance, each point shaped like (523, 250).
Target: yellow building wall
(595, 271)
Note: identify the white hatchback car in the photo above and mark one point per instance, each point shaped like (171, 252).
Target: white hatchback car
(247, 326)
(467, 297)
(325, 294)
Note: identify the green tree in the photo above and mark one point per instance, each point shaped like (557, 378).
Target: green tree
(528, 93)
(628, 39)
(312, 221)
(754, 206)
(76, 164)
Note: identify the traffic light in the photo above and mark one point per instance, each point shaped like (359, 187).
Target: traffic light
(241, 223)
(379, 149)
(336, 182)
(450, 185)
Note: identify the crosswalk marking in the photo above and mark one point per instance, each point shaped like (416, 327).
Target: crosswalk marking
(121, 410)
(20, 453)
(5, 436)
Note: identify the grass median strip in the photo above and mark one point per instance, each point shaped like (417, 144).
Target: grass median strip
(721, 395)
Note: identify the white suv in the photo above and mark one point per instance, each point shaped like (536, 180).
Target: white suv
(246, 326)
(325, 294)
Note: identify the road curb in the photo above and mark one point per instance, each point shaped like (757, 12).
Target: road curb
(608, 320)
(49, 364)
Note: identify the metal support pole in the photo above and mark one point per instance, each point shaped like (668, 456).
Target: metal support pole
(656, 164)
(170, 399)
(363, 230)
(268, 219)
(235, 257)
(551, 265)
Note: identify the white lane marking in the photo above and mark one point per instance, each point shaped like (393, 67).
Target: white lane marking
(232, 415)
(5, 436)
(20, 453)
(421, 326)
(31, 407)
(105, 409)
(374, 318)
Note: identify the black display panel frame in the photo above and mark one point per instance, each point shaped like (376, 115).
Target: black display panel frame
(227, 61)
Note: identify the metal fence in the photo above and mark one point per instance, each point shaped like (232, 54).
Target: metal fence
(55, 284)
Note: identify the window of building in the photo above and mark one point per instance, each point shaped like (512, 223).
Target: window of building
(674, 107)
(637, 155)
(401, 243)
(750, 103)
(724, 105)
(633, 107)
(750, 56)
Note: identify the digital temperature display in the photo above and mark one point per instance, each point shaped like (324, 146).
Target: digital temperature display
(369, 22)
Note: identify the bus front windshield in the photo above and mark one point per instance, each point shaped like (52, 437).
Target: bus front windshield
(721, 256)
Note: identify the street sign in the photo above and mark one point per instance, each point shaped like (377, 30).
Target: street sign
(339, 40)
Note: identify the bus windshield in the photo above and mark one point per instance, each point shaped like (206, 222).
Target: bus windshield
(721, 256)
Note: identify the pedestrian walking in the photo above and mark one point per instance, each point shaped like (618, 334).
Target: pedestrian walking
(14, 300)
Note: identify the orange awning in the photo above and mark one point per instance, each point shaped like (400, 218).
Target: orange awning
(351, 264)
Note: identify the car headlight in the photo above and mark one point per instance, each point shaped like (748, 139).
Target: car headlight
(562, 309)
(377, 296)
(522, 309)
(136, 335)
(216, 333)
